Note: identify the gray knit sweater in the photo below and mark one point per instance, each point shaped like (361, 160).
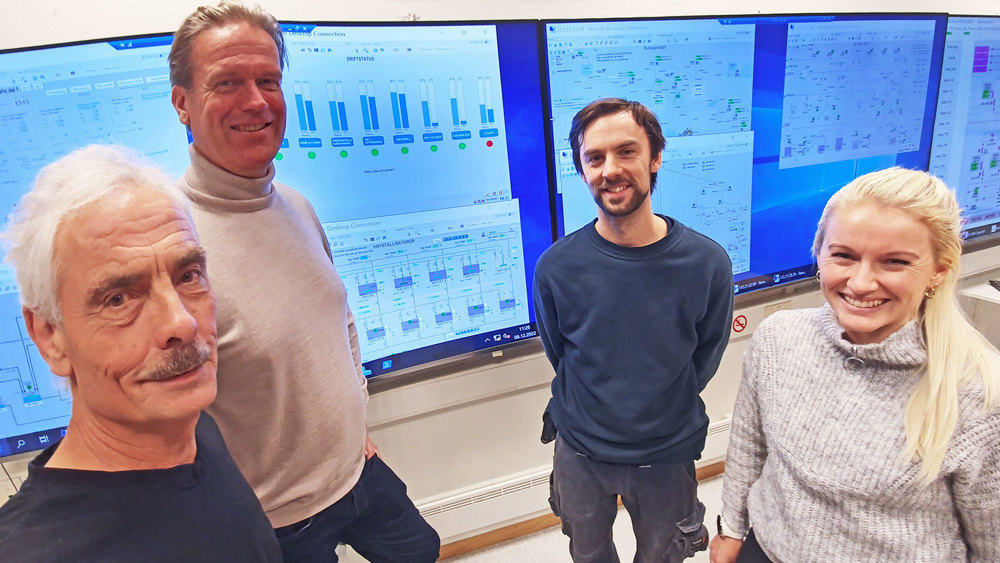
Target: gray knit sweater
(814, 461)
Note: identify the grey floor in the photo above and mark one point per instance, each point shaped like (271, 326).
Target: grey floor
(551, 546)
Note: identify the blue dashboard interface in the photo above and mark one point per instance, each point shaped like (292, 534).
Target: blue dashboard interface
(54, 100)
(764, 118)
(966, 148)
(421, 148)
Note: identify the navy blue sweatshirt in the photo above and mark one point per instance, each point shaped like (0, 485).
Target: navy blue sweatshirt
(634, 335)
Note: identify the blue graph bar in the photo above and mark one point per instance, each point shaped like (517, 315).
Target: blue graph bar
(333, 116)
(402, 110)
(489, 114)
(482, 113)
(300, 107)
(427, 113)
(395, 110)
(342, 110)
(454, 110)
(310, 115)
(374, 112)
(364, 112)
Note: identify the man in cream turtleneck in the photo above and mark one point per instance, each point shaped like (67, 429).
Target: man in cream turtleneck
(292, 399)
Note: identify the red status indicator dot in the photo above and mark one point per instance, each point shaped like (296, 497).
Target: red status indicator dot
(489, 143)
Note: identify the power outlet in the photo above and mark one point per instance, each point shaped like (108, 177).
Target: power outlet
(779, 306)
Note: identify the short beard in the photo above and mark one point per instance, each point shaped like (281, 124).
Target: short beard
(180, 360)
(627, 208)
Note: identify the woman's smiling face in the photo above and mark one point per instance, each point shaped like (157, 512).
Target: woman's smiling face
(875, 264)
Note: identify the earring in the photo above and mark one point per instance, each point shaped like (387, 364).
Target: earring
(819, 279)
(930, 292)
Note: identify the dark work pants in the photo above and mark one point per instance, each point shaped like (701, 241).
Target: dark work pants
(751, 551)
(661, 500)
(376, 518)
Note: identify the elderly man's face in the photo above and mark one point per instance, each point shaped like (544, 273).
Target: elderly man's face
(138, 336)
(234, 107)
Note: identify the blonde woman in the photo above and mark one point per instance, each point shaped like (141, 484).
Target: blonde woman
(869, 429)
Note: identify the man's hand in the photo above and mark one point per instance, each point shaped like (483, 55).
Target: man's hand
(371, 450)
(724, 549)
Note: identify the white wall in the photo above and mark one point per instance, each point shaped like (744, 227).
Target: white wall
(471, 427)
(40, 22)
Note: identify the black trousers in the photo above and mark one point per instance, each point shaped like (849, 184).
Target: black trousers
(751, 551)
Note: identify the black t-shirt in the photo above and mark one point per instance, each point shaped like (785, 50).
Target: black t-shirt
(202, 511)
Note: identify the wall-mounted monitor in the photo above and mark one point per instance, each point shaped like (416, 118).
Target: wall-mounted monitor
(764, 118)
(966, 148)
(54, 100)
(422, 148)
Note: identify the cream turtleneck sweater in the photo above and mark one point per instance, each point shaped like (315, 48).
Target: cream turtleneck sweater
(291, 402)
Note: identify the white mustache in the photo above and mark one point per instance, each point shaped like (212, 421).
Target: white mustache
(180, 360)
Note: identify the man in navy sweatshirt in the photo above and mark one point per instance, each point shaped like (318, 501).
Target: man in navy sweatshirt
(634, 312)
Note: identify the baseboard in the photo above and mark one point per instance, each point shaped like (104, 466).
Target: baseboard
(499, 535)
(709, 471)
(536, 524)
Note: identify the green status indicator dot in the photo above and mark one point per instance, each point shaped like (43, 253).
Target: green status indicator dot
(434, 148)
(461, 146)
(279, 156)
(404, 150)
(311, 155)
(374, 152)
(343, 154)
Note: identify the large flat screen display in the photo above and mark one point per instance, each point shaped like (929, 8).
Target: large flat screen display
(54, 100)
(966, 148)
(764, 118)
(421, 147)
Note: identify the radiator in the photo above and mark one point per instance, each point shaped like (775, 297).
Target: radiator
(485, 507)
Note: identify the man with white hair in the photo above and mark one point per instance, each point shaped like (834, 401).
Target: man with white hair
(116, 298)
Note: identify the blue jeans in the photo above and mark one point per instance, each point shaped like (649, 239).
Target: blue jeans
(376, 518)
(661, 499)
